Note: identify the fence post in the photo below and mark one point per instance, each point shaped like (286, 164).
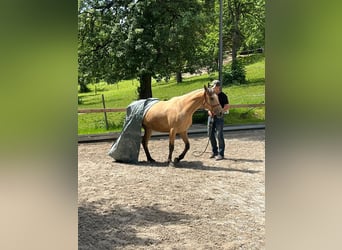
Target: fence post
(105, 114)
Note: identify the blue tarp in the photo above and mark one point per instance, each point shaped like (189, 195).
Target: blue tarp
(126, 148)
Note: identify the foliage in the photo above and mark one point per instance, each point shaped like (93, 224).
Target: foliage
(123, 93)
(247, 69)
(234, 73)
(244, 25)
(156, 38)
(127, 39)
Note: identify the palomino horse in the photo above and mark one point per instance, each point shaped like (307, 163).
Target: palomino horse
(175, 116)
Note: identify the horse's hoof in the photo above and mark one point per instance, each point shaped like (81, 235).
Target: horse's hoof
(151, 160)
(171, 164)
(176, 160)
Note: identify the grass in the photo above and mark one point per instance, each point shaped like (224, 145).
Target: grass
(123, 93)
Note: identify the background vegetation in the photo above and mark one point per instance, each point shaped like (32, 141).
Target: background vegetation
(123, 93)
(158, 39)
(170, 47)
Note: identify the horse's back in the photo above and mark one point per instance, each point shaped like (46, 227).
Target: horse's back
(164, 115)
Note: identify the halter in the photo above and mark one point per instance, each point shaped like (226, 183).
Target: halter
(205, 102)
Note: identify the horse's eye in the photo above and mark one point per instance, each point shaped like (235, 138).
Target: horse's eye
(211, 98)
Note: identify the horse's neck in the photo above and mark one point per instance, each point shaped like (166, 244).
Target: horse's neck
(193, 101)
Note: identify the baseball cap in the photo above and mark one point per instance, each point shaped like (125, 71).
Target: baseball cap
(215, 83)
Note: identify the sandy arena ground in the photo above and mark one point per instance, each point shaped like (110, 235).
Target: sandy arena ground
(200, 204)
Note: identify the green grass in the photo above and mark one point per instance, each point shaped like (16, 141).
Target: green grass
(122, 94)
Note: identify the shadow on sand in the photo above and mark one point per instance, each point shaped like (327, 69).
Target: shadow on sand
(116, 228)
(198, 165)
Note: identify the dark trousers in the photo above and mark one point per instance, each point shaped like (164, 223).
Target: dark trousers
(216, 135)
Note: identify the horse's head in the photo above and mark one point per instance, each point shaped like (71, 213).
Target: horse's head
(211, 101)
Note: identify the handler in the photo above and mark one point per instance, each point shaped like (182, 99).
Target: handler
(216, 123)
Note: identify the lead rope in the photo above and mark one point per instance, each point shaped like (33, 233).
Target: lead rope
(199, 153)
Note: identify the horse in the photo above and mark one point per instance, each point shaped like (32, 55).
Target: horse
(175, 117)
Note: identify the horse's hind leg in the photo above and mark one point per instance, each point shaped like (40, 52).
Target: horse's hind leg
(144, 142)
(185, 138)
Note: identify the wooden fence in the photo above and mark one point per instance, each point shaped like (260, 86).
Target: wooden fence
(105, 110)
(102, 110)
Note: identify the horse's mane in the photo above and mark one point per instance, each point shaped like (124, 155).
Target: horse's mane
(188, 94)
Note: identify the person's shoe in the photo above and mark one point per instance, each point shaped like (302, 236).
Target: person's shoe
(212, 156)
(218, 157)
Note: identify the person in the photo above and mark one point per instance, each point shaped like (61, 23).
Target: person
(216, 123)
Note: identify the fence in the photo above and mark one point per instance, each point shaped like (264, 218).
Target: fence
(100, 110)
(105, 110)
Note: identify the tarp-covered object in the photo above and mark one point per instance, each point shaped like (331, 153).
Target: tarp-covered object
(126, 148)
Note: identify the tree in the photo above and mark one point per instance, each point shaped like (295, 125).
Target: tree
(253, 25)
(243, 29)
(141, 38)
(244, 24)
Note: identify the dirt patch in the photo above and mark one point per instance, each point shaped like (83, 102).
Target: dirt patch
(200, 204)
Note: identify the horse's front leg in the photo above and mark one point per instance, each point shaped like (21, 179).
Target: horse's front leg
(185, 138)
(172, 137)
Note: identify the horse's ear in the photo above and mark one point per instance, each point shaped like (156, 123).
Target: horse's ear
(206, 88)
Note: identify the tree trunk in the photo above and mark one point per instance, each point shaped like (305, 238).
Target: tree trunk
(179, 77)
(235, 12)
(235, 43)
(145, 86)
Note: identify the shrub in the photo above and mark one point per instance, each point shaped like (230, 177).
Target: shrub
(200, 117)
(234, 73)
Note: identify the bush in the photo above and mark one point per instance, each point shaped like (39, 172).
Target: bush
(84, 88)
(200, 117)
(234, 73)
